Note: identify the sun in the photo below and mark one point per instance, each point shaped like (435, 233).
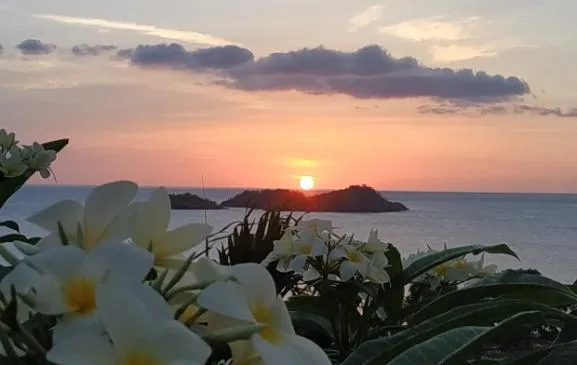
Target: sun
(307, 182)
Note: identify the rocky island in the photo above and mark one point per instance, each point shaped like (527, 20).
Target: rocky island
(189, 201)
(354, 199)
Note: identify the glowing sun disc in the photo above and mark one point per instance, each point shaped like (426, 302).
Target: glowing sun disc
(307, 182)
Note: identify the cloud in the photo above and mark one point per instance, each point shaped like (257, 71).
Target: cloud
(370, 72)
(433, 28)
(456, 52)
(365, 18)
(35, 47)
(166, 33)
(92, 50)
(176, 56)
(476, 110)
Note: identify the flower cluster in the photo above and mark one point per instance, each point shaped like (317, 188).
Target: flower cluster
(16, 160)
(455, 271)
(313, 250)
(120, 288)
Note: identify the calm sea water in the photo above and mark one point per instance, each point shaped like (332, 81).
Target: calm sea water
(541, 228)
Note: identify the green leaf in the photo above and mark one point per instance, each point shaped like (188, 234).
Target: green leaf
(519, 286)
(381, 350)
(460, 355)
(312, 322)
(431, 261)
(432, 351)
(391, 299)
(10, 225)
(13, 237)
(531, 358)
(10, 186)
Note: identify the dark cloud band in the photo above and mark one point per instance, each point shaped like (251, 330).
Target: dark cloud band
(370, 72)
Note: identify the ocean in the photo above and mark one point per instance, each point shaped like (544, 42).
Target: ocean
(541, 228)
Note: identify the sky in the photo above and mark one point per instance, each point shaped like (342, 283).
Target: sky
(444, 95)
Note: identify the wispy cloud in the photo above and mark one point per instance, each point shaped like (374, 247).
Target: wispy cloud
(455, 52)
(479, 110)
(433, 28)
(166, 33)
(365, 18)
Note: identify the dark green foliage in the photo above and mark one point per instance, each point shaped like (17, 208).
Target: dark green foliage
(252, 242)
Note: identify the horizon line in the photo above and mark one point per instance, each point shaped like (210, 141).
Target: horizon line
(381, 190)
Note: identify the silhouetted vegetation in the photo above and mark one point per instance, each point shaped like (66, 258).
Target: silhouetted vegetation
(191, 202)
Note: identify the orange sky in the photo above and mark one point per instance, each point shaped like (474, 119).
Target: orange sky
(334, 141)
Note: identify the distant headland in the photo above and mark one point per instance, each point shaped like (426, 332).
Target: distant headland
(354, 199)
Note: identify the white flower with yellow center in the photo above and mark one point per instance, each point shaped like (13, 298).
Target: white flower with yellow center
(104, 217)
(253, 298)
(150, 231)
(282, 252)
(68, 277)
(317, 227)
(11, 164)
(307, 246)
(136, 335)
(353, 261)
(39, 159)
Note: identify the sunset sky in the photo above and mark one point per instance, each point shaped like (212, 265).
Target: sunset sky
(241, 92)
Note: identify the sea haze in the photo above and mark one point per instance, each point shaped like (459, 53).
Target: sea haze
(541, 228)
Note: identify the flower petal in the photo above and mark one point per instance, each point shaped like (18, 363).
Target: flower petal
(121, 261)
(256, 282)
(85, 349)
(63, 262)
(226, 298)
(104, 204)
(298, 263)
(51, 241)
(280, 316)
(206, 270)
(172, 341)
(67, 212)
(292, 349)
(49, 298)
(119, 228)
(152, 218)
(123, 315)
(348, 270)
(66, 328)
(181, 239)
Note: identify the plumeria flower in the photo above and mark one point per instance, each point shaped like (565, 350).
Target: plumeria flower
(69, 276)
(11, 164)
(203, 270)
(150, 230)
(317, 227)
(253, 299)
(353, 262)
(136, 335)
(482, 270)
(7, 140)
(39, 159)
(304, 248)
(104, 217)
(282, 252)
